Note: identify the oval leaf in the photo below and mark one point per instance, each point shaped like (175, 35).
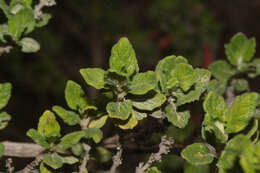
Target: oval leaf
(29, 45)
(5, 94)
(94, 133)
(150, 103)
(98, 123)
(70, 139)
(120, 110)
(53, 160)
(94, 77)
(38, 138)
(69, 117)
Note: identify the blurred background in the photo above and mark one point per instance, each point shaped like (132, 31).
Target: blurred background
(81, 34)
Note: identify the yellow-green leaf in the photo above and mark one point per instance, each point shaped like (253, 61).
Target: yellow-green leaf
(98, 123)
(120, 110)
(69, 117)
(94, 77)
(5, 94)
(48, 126)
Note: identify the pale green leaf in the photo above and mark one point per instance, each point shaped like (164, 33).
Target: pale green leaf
(48, 126)
(69, 117)
(143, 82)
(5, 94)
(77, 149)
(216, 86)
(120, 110)
(38, 138)
(197, 154)
(69, 160)
(139, 115)
(44, 20)
(4, 119)
(221, 70)
(53, 160)
(178, 119)
(131, 123)
(29, 45)
(94, 77)
(70, 139)
(98, 123)
(94, 133)
(122, 59)
(149, 103)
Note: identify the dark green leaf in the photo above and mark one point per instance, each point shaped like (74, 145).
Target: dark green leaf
(38, 138)
(103, 155)
(4, 7)
(94, 77)
(43, 168)
(69, 117)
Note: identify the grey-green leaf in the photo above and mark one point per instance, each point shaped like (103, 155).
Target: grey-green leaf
(70, 139)
(120, 110)
(53, 160)
(5, 94)
(69, 117)
(143, 82)
(69, 160)
(29, 45)
(122, 59)
(38, 138)
(94, 77)
(150, 103)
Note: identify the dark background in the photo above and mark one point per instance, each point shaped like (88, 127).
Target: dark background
(82, 32)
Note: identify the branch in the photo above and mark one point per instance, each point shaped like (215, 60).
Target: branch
(82, 167)
(5, 49)
(116, 159)
(43, 3)
(33, 164)
(9, 165)
(164, 148)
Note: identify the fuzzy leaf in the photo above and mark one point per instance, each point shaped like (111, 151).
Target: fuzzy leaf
(143, 82)
(120, 110)
(197, 154)
(48, 126)
(70, 139)
(94, 133)
(38, 138)
(53, 160)
(240, 49)
(179, 119)
(4, 119)
(241, 112)
(5, 94)
(29, 45)
(69, 117)
(221, 70)
(98, 123)
(122, 59)
(151, 103)
(94, 77)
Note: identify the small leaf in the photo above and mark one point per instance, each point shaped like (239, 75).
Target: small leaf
(4, 30)
(94, 77)
(153, 170)
(94, 133)
(69, 160)
(70, 139)
(216, 86)
(122, 59)
(214, 126)
(151, 103)
(197, 154)
(221, 70)
(53, 160)
(240, 49)
(29, 45)
(43, 169)
(77, 149)
(131, 123)
(4, 119)
(69, 117)
(103, 155)
(179, 119)
(45, 17)
(241, 84)
(120, 110)
(48, 126)
(5, 94)
(2, 149)
(241, 112)
(139, 115)
(143, 82)
(75, 96)
(98, 123)
(38, 138)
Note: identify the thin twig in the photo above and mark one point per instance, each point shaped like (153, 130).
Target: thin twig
(164, 148)
(38, 7)
(116, 159)
(9, 165)
(33, 164)
(82, 167)
(5, 49)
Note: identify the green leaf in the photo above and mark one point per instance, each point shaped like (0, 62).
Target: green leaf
(241, 112)
(45, 17)
(69, 117)
(94, 133)
(4, 119)
(153, 170)
(122, 59)
(139, 115)
(94, 77)
(38, 138)
(131, 123)
(218, 87)
(5, 94)
(4, 30)
(149, 103)
(98, 123)
(43, 169)
(29, 45)
(241, 84)
(214, 126)
(179, 119)
(197, 154)
(221, 70)
(256, 65)
(70, 139)
(48, 126)
(75, 96)
(2, 149)
(120, 110)
(4, 7)
(103, 155)
(143, 82)
(20, 22)
(183, 76)
(53, 160)
(188, 168)
(240, 49)
(253, 129)
(69, 160)
(215, 106)
(77, 149)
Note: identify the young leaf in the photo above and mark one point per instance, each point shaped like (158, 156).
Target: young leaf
(221, 70)
(143, 82)
(29, 45)
(139, 115)
(197, 154)
(48, 126)
(53, 160)
(150, 103)
(241, 112)
(120, 110)
(69, 117)
(45, 17)
(75, 96)
(98, 123)
(70, 139)
(5, 94)
(94, 133)
(216, 86)
(2, 149)
(179, 119)
(38, 138)
(4, 119)
(43, 169)
(122, 59)
(214, 126)
(240, 49)
(94, 77)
